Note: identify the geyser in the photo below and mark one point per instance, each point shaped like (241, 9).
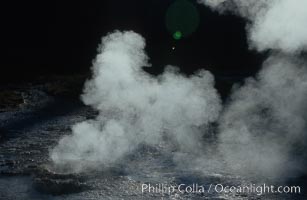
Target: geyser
(261, 129)
(135, 107)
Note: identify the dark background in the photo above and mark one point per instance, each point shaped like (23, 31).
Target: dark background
(61, 37)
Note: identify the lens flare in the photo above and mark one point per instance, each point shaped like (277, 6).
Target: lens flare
(181, 19)
(177, 35)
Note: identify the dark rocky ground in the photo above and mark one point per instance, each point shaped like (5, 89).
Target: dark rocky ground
(33, 117)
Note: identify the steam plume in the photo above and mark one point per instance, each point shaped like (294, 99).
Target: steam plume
(273, 24)
(135, 107)
(263, 126)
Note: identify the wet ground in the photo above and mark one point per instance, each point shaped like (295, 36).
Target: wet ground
(28, 132)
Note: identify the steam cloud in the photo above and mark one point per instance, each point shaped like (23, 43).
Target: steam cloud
(136, 108)
(261, 130)
(273, 24)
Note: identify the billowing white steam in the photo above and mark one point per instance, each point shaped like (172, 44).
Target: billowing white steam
(262, 129)
(135, 107)
(274, 24)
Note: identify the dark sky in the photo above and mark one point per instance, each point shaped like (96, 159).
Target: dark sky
(61, 37)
